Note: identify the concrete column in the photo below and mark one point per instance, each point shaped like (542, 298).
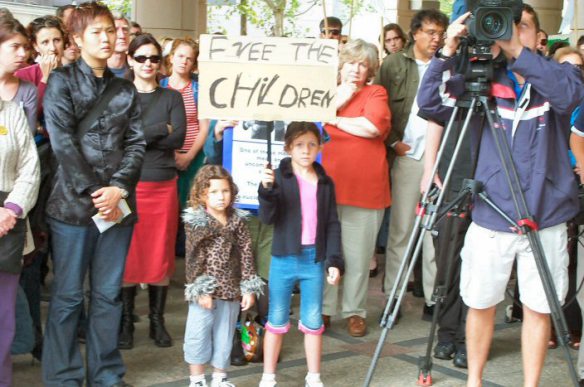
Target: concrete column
(402, 11)
(549, 13)
(173, 18)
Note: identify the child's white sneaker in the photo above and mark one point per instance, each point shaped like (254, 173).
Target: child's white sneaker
(200, 383)
(313, 380)
(268, 380)
(222, 382)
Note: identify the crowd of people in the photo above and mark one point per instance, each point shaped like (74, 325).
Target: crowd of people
(108, 174)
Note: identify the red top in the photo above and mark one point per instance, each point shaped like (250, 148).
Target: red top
(192, 116)
(358, 165)
(34, 75)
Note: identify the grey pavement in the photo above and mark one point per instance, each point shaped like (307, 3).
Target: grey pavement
(345, 359)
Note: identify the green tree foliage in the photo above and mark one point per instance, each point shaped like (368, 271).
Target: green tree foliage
(122, 6)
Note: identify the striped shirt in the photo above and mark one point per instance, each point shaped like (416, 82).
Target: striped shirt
(192, 116)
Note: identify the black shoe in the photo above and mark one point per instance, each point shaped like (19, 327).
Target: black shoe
(444, 351)
(460, 360)
(581, 383)
(374, 272)
(397, 316)
(158, 332)
(418, 289)
(126, 336)
(428, 313)
(237, 355)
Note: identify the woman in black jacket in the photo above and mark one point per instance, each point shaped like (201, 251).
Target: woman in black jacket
(93, 119)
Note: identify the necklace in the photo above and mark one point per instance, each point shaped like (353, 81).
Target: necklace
(147, 91)
(98, 68)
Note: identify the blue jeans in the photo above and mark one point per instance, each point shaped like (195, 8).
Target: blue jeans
(285, 271)
(77, 250)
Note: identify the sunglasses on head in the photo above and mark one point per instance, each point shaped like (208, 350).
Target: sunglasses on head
(331, 31)
(144, 58)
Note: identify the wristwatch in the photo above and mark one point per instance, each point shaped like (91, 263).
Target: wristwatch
(440, 55)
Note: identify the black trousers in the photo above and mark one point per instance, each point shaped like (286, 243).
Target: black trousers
(448, 244)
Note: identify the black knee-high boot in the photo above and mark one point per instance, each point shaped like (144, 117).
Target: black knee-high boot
(157, 296)
(126, 337)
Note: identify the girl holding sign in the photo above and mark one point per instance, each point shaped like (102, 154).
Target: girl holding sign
(299, 193)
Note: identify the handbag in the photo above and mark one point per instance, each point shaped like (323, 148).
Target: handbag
(252, 341)
(12, 245)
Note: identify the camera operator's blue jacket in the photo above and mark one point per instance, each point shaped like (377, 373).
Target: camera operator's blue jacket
(537, 125)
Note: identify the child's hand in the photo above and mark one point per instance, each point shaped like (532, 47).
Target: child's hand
(268, 177)
(206, 302)
(334, 276)
(247, 301)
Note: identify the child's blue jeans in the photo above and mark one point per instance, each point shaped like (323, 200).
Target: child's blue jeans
(285, 271)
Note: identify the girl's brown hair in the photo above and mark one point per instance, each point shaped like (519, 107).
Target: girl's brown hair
(176, 43)
(202, 183)
(9, 27)
(298, 128)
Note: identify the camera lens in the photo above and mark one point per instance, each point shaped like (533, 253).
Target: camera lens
(493, 25)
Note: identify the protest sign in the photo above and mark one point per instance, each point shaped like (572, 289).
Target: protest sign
(268, 79)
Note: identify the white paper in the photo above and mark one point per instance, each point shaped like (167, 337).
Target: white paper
(103, 225)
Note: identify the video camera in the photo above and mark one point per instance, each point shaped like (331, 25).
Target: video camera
(492, 20)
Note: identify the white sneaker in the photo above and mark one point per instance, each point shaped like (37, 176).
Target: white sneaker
(313, 384)
(201, 383)
(267, 383)
(224, 382)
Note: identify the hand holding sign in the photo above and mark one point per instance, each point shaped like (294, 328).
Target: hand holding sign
(268, 177)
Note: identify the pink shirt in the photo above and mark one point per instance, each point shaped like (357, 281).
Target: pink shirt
(309, 215)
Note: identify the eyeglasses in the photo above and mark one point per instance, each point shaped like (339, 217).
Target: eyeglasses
(333, 32)
(434, 34)
(543, 42)
(143, 58)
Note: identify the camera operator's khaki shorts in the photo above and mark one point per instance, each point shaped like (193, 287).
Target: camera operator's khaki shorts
(487, 261)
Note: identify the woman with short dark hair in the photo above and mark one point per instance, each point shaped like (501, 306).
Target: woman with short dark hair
(93, 119)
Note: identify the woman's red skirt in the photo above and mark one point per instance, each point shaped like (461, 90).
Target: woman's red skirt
(151, 255)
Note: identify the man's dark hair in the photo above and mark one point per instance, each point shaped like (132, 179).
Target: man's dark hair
(332, 21)
(61, 10)
(397, 29)
(135, 25)
(529, 9)
(556, 46)
(580, 41)
(428, 16)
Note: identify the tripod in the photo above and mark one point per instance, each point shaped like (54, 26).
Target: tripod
(476, 100)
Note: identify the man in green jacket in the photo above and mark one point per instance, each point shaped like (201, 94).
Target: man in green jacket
(400, 74)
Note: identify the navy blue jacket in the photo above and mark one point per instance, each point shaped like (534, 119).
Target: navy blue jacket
(537, 125)
(281, 207)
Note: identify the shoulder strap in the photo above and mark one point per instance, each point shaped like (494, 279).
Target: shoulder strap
(111, 89)
(195, 86)
(164, 82)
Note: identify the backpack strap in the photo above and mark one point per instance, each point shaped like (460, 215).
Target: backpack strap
(99, 107)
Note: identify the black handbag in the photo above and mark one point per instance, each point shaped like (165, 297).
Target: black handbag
(12, 245)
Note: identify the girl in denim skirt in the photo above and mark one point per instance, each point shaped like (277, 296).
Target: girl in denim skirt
(299, 200)
(220, 271)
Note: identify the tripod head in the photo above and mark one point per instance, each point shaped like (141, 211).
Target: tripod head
(477, 65)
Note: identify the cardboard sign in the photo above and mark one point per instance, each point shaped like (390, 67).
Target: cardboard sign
(267, 79)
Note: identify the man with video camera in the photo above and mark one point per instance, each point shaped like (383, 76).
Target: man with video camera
(534, 98)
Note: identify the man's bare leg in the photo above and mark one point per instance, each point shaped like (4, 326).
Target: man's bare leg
(480, 324)
(535, 334)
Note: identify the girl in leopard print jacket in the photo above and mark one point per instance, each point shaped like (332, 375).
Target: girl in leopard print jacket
(220, 273)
